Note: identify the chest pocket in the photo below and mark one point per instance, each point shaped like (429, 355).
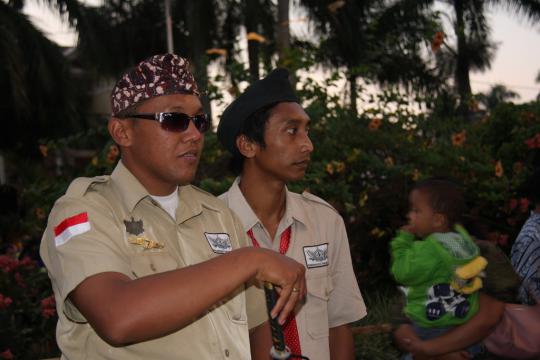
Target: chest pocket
(235, 307)
(319, 287)
(145, 264)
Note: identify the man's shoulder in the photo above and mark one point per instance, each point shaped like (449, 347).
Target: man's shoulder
(82, 185)
(315, 202)
(208, 200)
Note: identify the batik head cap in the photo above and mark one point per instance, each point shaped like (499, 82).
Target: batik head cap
(273, 89)
(165, 74)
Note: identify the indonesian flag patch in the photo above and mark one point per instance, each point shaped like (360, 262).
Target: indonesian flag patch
(70, 227)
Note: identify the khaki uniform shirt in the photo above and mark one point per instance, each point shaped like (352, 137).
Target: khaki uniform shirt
(128, 232)
(319, 241)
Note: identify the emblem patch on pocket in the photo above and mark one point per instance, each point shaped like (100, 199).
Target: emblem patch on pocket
(316, 256)
(219, 242)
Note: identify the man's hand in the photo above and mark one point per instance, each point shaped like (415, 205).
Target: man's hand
(288, 276)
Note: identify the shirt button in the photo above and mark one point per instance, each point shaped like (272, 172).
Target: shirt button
(226, 352)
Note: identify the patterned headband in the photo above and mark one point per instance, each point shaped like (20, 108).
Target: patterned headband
(158, 75)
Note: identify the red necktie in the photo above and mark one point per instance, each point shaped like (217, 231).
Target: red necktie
(290, 331)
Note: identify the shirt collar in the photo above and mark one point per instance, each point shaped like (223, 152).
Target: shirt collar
(132, 192)
(189, 204)
(238, 203)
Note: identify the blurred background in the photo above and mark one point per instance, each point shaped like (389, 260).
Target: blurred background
(397, 91)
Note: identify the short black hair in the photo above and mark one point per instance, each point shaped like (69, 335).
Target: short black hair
(445, 197)
(253, 129)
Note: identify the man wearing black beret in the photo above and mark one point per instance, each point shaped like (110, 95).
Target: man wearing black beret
(266, 130)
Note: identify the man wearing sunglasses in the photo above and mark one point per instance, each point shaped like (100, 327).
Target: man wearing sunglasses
(143, 265)
(266, 131)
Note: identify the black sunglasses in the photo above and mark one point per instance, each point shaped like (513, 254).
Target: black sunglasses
(175, 121)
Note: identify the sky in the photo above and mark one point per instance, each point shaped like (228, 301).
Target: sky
(516, 64)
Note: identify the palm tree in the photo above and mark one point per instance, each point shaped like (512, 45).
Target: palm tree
(473, 49)
(496, 95)
(374, 40)
(41, 97)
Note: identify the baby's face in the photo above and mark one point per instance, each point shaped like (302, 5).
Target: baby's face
(421, 215)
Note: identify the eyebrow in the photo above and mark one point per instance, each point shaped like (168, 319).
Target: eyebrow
(298, 121)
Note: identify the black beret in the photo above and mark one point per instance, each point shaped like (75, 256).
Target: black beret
(274, 88)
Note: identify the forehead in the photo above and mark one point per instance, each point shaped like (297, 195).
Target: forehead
(288, 111)
(181, 102)
(419, 196)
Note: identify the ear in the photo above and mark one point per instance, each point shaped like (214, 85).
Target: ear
(440, 221)
(247, 147)
(120, 131)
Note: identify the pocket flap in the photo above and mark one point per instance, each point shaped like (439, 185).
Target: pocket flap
(152, 263)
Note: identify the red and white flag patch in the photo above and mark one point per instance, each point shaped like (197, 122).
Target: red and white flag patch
(70, 227)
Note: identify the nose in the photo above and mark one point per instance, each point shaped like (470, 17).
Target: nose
(307, 145)
(192, 134)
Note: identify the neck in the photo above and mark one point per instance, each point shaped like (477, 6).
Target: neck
(153, 185)
(266, 197)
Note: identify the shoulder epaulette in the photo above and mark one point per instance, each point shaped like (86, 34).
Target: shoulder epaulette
(211, 201)
(80, 186)
(317, 199)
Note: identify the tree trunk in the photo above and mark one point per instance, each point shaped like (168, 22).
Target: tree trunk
(461, 76)
(353, 97)
(197, 55)
(283, 39)
(251, 21)
(283, 34)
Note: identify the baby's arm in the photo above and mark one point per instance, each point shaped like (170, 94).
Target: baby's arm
(412, 261)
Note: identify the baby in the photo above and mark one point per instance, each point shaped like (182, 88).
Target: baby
(440, 272)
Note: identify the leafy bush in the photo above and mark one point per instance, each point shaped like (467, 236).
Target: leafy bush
(27, 310)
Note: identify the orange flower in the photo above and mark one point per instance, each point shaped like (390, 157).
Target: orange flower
(499, 171)
(458, 139)
(253, 36)
(335, 6)
(389, 161)
(374, 124)
(217, 51)
(340, 166)
(44, 150)
(329, 168)
(437, 41)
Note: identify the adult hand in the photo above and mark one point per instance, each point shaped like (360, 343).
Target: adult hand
(407, 340)
(287, 275)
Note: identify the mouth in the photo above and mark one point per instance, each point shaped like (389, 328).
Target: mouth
(192, 154)
(302, 163)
